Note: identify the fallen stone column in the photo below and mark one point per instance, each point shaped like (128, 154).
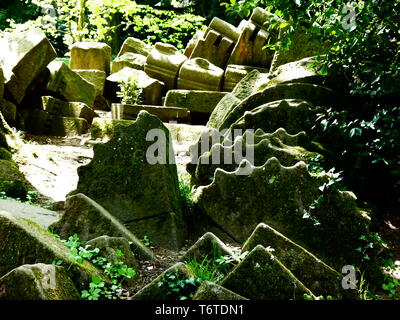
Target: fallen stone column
(200, 74)
(164, 63)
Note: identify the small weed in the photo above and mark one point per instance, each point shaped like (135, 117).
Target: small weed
(228, 261)
(17, 190)
(314, 165)
(390, 285)
(178, 288)
(333, 184)
(308, 297)
(207, 269)
(130, 92)
(146, 241)
(116, 271)
(186, 191)
(371, 241)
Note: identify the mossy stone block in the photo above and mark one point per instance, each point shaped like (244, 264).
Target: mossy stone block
(38, 282)
(261, 276)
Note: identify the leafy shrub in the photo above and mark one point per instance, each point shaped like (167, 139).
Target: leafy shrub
(19, 11)
(153, 25)
(110, 21)
(130, 92)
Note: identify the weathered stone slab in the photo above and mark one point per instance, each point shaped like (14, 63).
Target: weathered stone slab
(261, 276)
(89, 220)
(262, 17)
(24, 242)
(181, 133)
(129, 59)
(208, 245)
(68, 84)
(166, 231)
(38, 282)
(68, 126)
(101, 104)
(110, 245)
(301, 47)
(152, 89)
(312, 93)
(214, 47)
(193, 42)
(224, 28)
(23, 56)
(9, 171)
(104, 128)
(286, 148)
(59, 108)
(212, 291)
(200, 74)
(41, 216)
(293, 115)
(243, 90)
(217, 43)
(165, 114)
(282, 197)
(297, 71)
(235, 73)
(194, 100)
(164, 63)
(91, 55)
(41, 122)
(135, 46)
(95, 77)
(141, 188)
(8, 109)
(249, 48)
(320, 278)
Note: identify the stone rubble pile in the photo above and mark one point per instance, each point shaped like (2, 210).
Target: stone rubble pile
(213, 63)
(298, 231)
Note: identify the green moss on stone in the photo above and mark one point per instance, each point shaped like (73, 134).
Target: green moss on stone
(279, 196)
(154, 292)
(5, 154)
(212, 292)
(261, 276)
(89, 220)
(320, 278)
(24, 242)
(38, 282)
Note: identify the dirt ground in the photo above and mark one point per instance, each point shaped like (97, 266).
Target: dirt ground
(50, 163)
